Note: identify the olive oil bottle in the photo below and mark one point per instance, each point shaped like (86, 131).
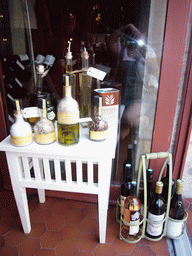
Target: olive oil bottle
(67, 116)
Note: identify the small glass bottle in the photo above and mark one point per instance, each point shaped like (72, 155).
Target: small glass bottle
(68, 117)
(98, 129)
(44, 129)
(51, 115)
(20, 131)
(85, 83)
(69, 69)
(177, 212)
(132, 207)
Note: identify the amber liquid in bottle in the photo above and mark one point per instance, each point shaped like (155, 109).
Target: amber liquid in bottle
(132, 208)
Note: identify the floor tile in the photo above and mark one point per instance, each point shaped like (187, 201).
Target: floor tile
(42, 214)
(9, 251)
(143, 250)
(56, 223)
(1, 241)
(91, 211)
(67, 248)
(104, 249)
(76, 205)
(29, 247)
(49, 201)
(60, 208)
(86, 242)
(5, 225)
(37, 229)
(14, 237)
(122, 246)
(74, 216)
(70, 231)
(89, 225)
(160, 247)
(46, 252)
(84, 253)
(50, 239)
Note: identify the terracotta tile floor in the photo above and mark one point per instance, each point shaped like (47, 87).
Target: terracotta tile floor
(66, 227)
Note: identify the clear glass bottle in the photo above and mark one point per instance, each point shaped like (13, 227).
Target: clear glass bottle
(20, 131)
(68, 117)
(177, 212)
(98, 128)
(44, 129)
(85, 83)
(132, 207)
(69, 69)
(156, 213)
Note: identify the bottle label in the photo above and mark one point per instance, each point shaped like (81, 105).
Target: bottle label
(122, 201)
(132, 217)
(72, 118)
(155, 229)
(45, 138)
(174, 229)
(51, 115)
(22, 140)
(98, 135)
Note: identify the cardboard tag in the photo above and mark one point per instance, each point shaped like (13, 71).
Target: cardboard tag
(96, 73)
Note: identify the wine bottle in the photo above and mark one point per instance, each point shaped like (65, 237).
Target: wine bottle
(165, 181)
(20, 131)
(128, 160)
(150, 192)
(51, 115)
(98, 128)
(131, 215)
(69, 69)
(85, 83)
(44, 129)
(68, 117)
(125, 188)
(156, 213)
(177, 211)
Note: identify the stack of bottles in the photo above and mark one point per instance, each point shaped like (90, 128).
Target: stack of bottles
(136, 221)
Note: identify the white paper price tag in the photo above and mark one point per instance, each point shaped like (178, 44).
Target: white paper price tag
(96, 73)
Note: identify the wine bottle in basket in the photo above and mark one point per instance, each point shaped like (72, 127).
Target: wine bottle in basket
(165, 181)
(156, 213)
(125, 188)
(177, 211)
(131, 215)
(150, 192)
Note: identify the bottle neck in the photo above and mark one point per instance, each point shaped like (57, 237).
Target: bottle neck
(67, 91)
(85, 64)
(97, 112)
(69, 65)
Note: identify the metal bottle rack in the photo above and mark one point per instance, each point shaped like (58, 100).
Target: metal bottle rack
(143, 222)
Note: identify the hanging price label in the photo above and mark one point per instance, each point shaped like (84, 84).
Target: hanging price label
(96, 73)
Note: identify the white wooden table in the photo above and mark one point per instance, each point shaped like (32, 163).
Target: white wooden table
(21, 159)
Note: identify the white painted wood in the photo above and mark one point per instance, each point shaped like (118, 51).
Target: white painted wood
(19, 192)
(90, 172)
(57, 170)
(79, 172)
(26, 168)
(85, 151)
(47, 169)
(68, 171)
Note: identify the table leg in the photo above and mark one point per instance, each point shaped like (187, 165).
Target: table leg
(103, 197)
(20, 194)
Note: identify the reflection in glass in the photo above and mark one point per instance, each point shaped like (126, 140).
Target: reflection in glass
(113, 30)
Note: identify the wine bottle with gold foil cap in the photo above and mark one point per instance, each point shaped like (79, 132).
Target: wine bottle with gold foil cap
(156, 213)
(68, 116)
(177, 211)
